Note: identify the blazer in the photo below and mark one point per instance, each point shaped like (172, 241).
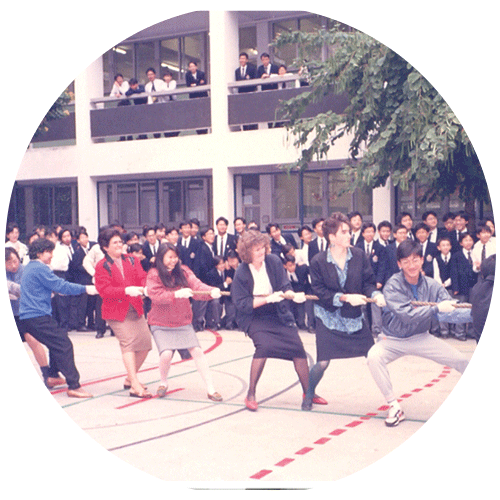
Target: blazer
(242, 292)
(325, 281)
(230, 244)
(198, 80)
(463, 277)
(431, 252)
(250, 74)
(146, 250)
(274, 71)
(314, 248)
(277, 248)
(302, 283)
(111, 284)
(377, 249)
(187, 255)
(203, 262)
(388, 263)
(76, 272)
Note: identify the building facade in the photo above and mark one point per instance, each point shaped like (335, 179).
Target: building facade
(220, 154)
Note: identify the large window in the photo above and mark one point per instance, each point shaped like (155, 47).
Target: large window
(133, 59)
(138, 203)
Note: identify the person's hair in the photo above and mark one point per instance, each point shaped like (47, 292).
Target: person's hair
(170, 279)
(407, 248)
(253, 223)
(205, 230)
(170, 229)
(62, 231)
(243, 54)
(129, 236)
(367, 225)
(105, 237)
(150, 69)
(463, 215)
(185, 223)
(265, 54)
(167, 73)
(397, 227)
(231, 254)
(193, 62)
(117, 75)
(422, 225)
(287, 248)
(223, 219)
(289, 258)
(444, 238)
(464, 235)
(306, 227)
(354, 214)
(315, 222)
(195, 221)
(249, 240)
(282, 66)
(241, 219)
(218, 259)
(135, 247)
(384, 223)
(133, 81)
(159, 226)
(484, 227)
(429, 212)
(39, 246)
(146, 230)
(9, 252)
(80, 232)
(488, 218)
(448, 216)
(333, 224)
(271, 225)
(399, 218)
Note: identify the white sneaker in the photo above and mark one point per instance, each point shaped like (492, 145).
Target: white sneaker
(394, 416)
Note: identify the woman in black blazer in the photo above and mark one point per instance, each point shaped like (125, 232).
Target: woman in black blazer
(342, 278)
(258, 292)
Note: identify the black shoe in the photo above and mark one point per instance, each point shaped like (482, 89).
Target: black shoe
(462, 338)
(99, 335)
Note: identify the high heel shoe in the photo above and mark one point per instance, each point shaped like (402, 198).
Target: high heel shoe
(251, 405)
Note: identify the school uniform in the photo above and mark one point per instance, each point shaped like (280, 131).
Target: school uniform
(223, 244)
(187, 250)
(317, 245)
(149, 251)
(429, 252)
(213, 313)
(229, 319)
(300, 283)
(388, 263)
(463, 278)
(442, 274)
(277, 247)
(202, 265)
(482, 251)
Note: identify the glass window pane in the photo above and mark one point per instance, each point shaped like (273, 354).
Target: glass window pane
(364, 201)
(145, 58)
(313, 195)
(406, 200)
(338, 202)
(193, 51)
(127, 204)
(62, 205)
(248, 43)
(196, 201)
(285, 197)
(250, 186)
(170, 57)
(42, 200)
(310, 25)
(124, 62)
(286, 54)
(147, 203)
(172, 202)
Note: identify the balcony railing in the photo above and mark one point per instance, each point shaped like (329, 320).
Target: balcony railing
(174, 112)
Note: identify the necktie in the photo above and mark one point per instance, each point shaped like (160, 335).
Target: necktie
(469, 257)
(153, 87)
(483, 253)
(222, 246)
(368, 249)
(243, 72)
(321, 244)
(446, 259)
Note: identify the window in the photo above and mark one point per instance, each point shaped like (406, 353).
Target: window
(285, 197)
(313, 200)
(170, 57)
(127, 204)
(248, 43)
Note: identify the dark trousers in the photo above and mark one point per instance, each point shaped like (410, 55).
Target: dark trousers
(47, 332)
(78, 311)
(100, 324)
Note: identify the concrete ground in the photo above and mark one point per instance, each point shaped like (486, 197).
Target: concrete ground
(188, 439)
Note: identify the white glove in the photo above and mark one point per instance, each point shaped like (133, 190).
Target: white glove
(300, 297)
(380, 300)
(355, 299)
(145, 292)
(134, 291)
(91, 290)
(215, 293)
(446, 306)
(275, 297)
(183, 293)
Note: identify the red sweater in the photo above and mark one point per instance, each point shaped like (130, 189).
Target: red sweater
(168, 311)
(111, 284)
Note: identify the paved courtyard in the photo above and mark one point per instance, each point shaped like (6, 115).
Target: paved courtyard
(185, 439)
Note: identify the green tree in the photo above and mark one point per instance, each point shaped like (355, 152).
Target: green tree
(57, 110)
(400, 126)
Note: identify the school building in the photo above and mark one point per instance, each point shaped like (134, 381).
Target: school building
(84, 171)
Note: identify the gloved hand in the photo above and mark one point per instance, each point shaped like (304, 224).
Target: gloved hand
(134, 291)
(299, 298)
(446, 306)
(183, 293)
(380, 300)
(275, 297)
(355, 299)
(215, 293)
(145, 292)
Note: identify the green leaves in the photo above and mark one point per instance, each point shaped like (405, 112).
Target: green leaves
(401, 126)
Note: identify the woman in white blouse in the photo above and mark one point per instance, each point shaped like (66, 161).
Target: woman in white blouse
(258, 291)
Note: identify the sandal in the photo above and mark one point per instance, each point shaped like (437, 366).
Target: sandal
(128, 385)
(215, 397)
(142, 395)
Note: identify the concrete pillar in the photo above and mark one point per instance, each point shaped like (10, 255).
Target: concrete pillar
(383, 203)
(88, 84)
(223, 61)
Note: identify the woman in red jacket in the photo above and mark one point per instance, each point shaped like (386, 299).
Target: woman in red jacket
(120, 281)
(170, 285)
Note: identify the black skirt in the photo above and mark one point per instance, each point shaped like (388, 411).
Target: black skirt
(333, 344)
(272, 339)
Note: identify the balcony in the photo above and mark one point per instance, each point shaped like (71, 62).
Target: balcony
(111, 119)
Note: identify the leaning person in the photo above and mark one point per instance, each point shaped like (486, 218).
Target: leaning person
(405, 327)
(120, 280)
(170, 285)
(35, 312)
(343, 279)
(258, 293)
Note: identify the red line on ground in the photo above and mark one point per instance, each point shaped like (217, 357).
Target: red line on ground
(217, 343)
(338, 432)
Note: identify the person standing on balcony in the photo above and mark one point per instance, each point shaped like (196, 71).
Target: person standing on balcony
(246, 71)
(266, 69)
(154, 85)
(195, 78)
(120, 87)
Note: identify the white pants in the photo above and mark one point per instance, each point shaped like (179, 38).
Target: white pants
(425, 345)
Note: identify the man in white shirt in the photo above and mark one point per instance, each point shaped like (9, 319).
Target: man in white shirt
(484, 247)
(120, 86)
(430, 218)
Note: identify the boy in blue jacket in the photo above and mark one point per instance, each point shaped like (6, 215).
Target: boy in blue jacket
(35, 311)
